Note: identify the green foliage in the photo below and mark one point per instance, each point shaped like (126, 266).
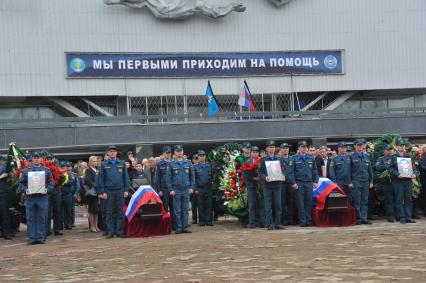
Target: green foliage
(224, 160)
(13, 156)
(378, 145)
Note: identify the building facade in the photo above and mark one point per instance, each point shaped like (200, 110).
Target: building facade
(382, 44)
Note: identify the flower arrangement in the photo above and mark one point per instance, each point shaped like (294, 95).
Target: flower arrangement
(230, 183)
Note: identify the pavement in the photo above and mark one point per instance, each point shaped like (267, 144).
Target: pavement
(382, 252)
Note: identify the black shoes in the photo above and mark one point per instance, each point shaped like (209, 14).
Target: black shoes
(37, 242)
(209, 224)
(7, 237)
(366, 222)
(184, 231)
(411, 221)
(279, 227)
(194, 222)
(110, 236)
(59, 233)
(391, 220)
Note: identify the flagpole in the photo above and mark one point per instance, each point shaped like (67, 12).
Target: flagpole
(249, 93)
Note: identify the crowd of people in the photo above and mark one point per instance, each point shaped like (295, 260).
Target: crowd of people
(104, 183)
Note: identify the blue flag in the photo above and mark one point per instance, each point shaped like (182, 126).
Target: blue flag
(213, 108)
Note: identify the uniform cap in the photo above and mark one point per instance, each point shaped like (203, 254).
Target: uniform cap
(246, 145)
(387, 146)
(62, 163)
(36, 154)
(302, 144)
(167, 149)
(401, 142)
(270, 143)
(195, 156)
(178, 147)
(341, 144)
(358, 141)
(201, 152)
(111, 147)
(255, 148)
(284, 145)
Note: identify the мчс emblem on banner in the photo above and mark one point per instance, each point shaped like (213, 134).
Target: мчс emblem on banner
(273, 168)
(405, 167)
(36, 183)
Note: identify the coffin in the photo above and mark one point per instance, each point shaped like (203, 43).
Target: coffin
(151, 211)
(336, 202)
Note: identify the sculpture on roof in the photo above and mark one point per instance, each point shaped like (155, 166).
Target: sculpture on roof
(181, 9)
(280, 3)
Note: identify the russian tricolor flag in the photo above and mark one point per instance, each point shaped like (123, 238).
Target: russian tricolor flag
(325, 187)
(245, 98)
(143, 195)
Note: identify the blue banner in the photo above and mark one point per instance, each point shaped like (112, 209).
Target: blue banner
(192, 65)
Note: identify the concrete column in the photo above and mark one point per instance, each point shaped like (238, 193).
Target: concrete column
(317, 142)
(144, 151)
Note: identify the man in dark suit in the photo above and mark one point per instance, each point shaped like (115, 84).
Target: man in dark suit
(323, 163)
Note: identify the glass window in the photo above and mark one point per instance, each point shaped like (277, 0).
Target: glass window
(404, 102)
(370, 104)
(46, 113)
(10, 113)
(349, 105)
(30, 113)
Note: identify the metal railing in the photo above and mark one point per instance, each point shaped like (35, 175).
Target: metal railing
(222, 117)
